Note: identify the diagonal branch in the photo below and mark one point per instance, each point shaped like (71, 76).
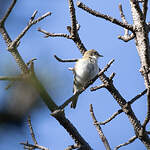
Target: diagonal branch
(121, 110)
(111, 118)
(99, 130)
(106, 17)
(2, 21)
(126, 143)
(31, 22)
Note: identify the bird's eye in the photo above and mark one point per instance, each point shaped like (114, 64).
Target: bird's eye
(95, 53)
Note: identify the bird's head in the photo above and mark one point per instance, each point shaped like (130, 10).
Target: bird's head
(92, 54)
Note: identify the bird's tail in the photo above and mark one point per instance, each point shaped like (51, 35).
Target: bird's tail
(74, 101)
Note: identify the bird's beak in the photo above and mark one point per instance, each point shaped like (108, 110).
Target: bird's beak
(100, 55)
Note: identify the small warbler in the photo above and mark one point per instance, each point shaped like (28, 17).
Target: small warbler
(85, 70)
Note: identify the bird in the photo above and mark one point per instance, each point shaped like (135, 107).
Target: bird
(85, 69)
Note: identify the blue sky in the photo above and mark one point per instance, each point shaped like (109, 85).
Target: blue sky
(95, 33)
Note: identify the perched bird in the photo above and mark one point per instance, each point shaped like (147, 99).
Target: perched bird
(85, 70)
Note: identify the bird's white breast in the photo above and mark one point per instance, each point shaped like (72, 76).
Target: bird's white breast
(85, 70)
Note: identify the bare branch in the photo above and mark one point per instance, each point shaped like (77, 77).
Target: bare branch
(145, 8)
(97, 87)
(33, 16)
(75, 146)
(111, 118)
(112, 76)
(100, 73)
(48, 34)
(99, 130)
(126, 36)
(7, 78)
(147, 119)
(137, 97)
(2, 21)
(15, 42)
(106, 17)
(31, 146)
(66, 60)
(59, 114)
(73, 18)
(73, 30)
(120, 110)
(31, 131)
(126, 143)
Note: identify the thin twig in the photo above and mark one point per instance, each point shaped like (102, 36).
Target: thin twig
(112, 76)
(106, 17)
(48, 34)
(100, 73)
(97, 87)
(33, 16)
(126, 36)
(7, 78)
(111, 118)
(66, 60)
(126, 143)
(31, 146)
(137, 97)
(14, 43)
(31, 131)
(2, 21)
(99, 130)
(120, 110)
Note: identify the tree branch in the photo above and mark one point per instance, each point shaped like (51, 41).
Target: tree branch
(48, 34)
(111, 118)
(31, 22)
(126, 143)
(126, 36)
(120, 110)
(61, 118)
(106, 17)
(66, 60)
(147, 119)
(2, 21)
(7, 78)
(31, 146)
(137, 97)
(145, 8)
(31, 131)
(99, 129)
